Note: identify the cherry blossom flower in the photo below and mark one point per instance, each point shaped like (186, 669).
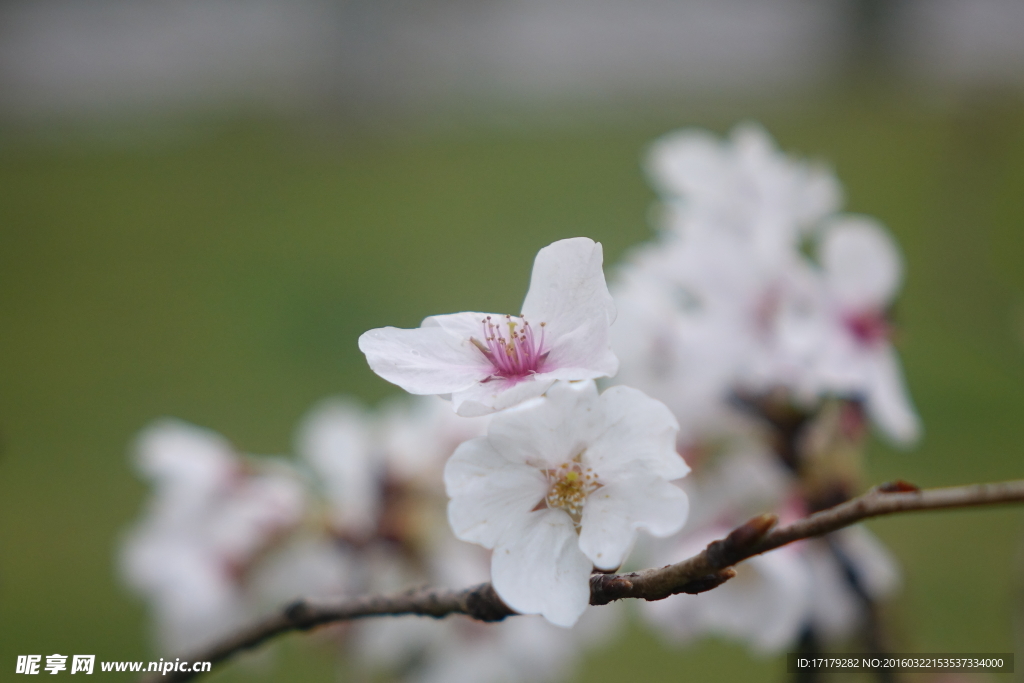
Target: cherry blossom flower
(742, 189)
(561, 484)
(672, 342)
(700, 322)
(729, 487)
(862, 272)
(381, 475)
(309, 564)
(213, 515)
(726, 302)
(729, 262)
(488, 362)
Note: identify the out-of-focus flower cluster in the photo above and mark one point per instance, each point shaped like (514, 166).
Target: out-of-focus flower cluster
(761, 316)
(749, 342)
(228, 537)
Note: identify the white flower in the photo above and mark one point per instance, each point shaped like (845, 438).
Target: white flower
(561, 484)
(209, 520)
(672, 340)
(726, 303)
(193, 597)
(188, 466)
(702, 320)
(862, 272)
(767, 603)
(742, 188)
(522, 650)
(488, 362)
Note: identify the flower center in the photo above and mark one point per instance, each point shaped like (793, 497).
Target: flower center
(869, 327)
(511, 347)
(569, 484)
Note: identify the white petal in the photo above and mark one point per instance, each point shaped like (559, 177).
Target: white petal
(428, 360)
(190, 466)
(550, 430)
(257, 509)
(686, 161)
(304, 566)
(877, 570)
(538, 568)
(638, 433)
(862, 262)
(821, 194)
(461, 325)
(488, 492)
(567, 288)
(888, 403)
(334, 438)
(582, 353)
(614, 512)
(484, 398)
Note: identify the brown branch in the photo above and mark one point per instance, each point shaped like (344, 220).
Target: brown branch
(707, 570)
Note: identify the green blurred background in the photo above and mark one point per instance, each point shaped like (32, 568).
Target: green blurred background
(222, 272)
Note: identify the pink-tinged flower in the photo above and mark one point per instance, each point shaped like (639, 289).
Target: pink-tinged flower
(488, 361)
(561, 484)
(862, 271)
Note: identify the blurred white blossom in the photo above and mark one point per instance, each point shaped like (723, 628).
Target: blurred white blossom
(862, 271)
(213, 514)
(726, 303)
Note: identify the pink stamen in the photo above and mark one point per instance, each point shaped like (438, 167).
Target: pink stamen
(515, 352)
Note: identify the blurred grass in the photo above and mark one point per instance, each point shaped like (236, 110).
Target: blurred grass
(224, 279)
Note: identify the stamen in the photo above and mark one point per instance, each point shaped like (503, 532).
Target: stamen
(569, 485)
(515, 356)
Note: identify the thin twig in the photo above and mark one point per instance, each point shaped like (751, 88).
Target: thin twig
(707, 570)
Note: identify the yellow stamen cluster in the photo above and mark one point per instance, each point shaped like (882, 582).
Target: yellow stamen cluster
(569, 485)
